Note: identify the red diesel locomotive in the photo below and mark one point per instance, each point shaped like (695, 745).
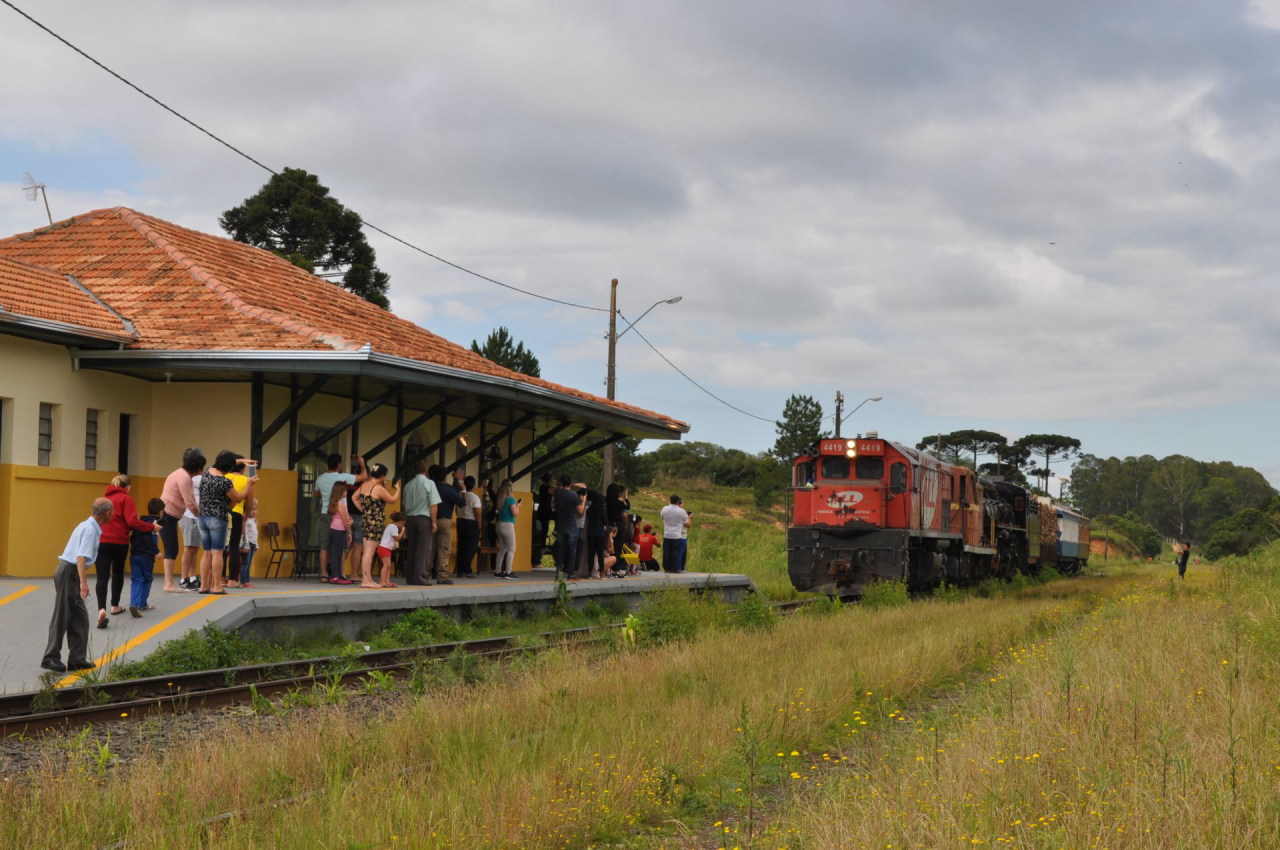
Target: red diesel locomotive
(867, 509)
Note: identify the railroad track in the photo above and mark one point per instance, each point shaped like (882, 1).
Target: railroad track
(136, 699)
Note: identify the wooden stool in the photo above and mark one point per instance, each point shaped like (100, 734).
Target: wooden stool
(492, 553)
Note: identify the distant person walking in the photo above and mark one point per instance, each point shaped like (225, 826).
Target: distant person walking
(1183, 557)
(674, 522)
(71, 589)
(113, 547)
(179, 497)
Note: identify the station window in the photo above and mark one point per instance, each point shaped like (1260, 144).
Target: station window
(869, 468)
(44, 456)
(836, 468)
(91, 439)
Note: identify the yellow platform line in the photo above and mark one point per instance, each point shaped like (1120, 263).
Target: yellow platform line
(17, 594)
(137, 640)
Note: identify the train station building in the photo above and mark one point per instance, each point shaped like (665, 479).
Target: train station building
(125, 339)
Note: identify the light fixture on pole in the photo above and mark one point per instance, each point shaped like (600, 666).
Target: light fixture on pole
(840, 420)
(32, 188)
(613, 337)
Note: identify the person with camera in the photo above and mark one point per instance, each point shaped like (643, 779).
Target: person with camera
(675, 521)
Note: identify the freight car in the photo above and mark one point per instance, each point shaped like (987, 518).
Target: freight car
(865, 509)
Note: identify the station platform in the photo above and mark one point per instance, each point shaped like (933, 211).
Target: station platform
(279, 605)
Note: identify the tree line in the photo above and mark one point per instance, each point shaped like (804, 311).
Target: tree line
(1228, 509)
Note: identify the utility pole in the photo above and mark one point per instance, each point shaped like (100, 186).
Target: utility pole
(613, 365)
(839, 411)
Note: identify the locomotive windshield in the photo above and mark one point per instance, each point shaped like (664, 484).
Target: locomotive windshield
(869, 468)
(835, 467)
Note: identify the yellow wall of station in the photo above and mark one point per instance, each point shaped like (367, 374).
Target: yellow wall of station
(40, 505)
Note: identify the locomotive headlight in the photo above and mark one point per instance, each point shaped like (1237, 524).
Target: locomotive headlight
(850, 444)
(850, 453)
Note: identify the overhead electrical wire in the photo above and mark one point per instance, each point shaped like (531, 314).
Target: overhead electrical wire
(365, 222)
(686, 376)
(166, 107)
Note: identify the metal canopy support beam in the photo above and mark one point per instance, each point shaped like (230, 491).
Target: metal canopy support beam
(414, 425)
(551, 455)
(399, 429)
(453, 433)
(535, 442)
(493, 441)
(355, 406)
(256, 394)
(599, 444)
(342, 426)
(293, 418)
(295, 404)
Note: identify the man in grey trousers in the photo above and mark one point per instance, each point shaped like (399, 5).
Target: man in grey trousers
(70, 617)
(419, 502)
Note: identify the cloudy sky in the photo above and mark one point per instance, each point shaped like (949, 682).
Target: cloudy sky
(1023, 216)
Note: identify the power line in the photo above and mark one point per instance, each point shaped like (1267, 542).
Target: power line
(272, 171)
(682, 372)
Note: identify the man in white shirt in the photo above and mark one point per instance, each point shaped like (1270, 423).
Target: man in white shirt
(70, 617)
(674, 522)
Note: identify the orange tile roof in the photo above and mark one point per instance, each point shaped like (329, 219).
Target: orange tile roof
(36, 292)
(186, 290)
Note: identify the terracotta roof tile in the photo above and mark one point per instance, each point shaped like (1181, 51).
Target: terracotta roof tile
(183, 289)
(42, 293)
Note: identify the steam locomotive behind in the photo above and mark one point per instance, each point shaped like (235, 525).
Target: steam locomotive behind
(867, 509)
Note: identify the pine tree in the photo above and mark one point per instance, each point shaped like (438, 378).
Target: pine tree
(307, 227)
(503, 350)
(799, 428)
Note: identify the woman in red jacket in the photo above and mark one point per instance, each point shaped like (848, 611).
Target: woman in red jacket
(113, 548)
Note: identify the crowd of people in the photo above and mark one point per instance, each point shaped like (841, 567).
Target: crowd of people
(593, 532)
(212, 507)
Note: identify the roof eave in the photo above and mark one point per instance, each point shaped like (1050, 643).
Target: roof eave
(48, 330)
(387, 366)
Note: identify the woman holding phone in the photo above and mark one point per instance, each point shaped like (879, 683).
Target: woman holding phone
(372, 499)
(508, 510)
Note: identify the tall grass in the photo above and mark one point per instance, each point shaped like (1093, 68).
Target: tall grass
(1149, 724)
(557, 752)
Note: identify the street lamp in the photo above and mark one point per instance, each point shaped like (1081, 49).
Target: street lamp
(840, 405)
(613, 359)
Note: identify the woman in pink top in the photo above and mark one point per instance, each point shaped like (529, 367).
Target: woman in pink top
(178, 496)
(340, 532)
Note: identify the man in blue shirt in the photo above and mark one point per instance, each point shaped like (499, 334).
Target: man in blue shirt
(70, 617)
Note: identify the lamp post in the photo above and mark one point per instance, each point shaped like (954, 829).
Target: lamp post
(840, 404)
(613, 338)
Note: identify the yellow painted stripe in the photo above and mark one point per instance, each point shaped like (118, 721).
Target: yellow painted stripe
(17, 594)
(159, 627)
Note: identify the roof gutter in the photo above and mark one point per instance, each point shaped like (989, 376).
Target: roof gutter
(368, 362)
(63, 332)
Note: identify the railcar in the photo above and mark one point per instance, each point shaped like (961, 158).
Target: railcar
(866, 509)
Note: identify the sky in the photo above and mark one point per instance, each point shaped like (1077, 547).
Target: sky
(1026, 217)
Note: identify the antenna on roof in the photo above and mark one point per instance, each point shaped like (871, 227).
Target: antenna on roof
(32, 188)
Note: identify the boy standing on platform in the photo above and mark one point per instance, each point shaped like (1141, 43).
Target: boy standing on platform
(143, 548)
(70, 617)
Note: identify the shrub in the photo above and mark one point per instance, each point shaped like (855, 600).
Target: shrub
(755, 614)
(823, 606)
(1131, 526)
(673, 614)
(948, 593)
(1239, 534)
(891, 593)
(424, 625)
(210, 648)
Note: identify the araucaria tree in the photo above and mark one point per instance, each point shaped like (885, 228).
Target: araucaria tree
(503, 350)
(1050, 447)
(799, 428)
(294, 216)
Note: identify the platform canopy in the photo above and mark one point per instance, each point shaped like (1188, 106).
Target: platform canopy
(192, 307)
